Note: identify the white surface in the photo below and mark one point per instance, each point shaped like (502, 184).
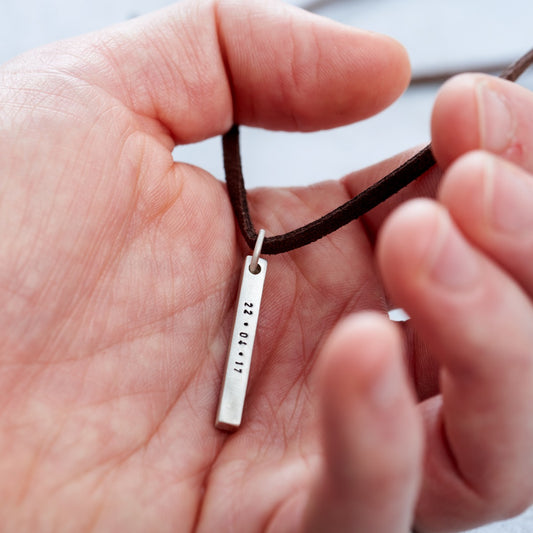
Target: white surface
(451, 33)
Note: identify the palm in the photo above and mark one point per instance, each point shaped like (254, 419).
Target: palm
(131, 310)
(130, 315)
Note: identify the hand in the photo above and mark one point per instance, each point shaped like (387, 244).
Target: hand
(462, 269)
(117, 291)
(119, 269)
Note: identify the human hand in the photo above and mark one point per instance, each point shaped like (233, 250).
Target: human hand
(461, 267)
(117, 290)
(119, 268)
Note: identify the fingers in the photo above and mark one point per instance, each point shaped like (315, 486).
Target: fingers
(371, 433)
(481, 112)
(471, 112)
(477, 321)
(491, 202)
(468, 285)
(198, 66)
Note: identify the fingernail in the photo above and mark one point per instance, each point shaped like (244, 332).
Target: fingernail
(452, 264)
(496, 121)
(509, 199)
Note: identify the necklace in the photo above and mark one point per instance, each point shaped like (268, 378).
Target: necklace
(233, 392)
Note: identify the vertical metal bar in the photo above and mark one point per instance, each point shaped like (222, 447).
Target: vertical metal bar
(233, 393)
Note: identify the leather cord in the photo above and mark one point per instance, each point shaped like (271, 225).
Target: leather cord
(377, 193)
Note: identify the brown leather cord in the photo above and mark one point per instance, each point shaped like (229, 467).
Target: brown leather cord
(377, 193)
(437, 77)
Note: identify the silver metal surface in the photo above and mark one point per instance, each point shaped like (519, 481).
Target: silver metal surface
(257, 251)
(233, 393)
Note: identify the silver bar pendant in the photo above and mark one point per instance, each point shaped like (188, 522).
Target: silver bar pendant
(233, 393)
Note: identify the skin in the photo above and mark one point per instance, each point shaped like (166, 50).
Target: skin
(117, 291)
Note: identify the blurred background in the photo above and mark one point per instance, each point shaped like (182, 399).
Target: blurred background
(455, 35)
(441, 37)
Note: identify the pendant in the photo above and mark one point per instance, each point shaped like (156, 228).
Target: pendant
(233, 393)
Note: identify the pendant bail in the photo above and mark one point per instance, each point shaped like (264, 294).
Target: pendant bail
(254, 265)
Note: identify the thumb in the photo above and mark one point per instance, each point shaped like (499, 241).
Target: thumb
(372, 435)
(303, 72)
(200, 65)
